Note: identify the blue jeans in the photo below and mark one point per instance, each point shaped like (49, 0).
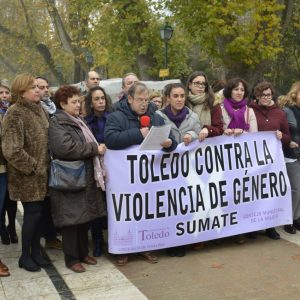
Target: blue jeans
(3, 190)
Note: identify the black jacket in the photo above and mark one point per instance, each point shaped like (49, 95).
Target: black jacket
(122, 128)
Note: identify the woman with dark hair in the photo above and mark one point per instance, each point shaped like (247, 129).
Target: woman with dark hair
(70, 139)
(291, 107)
(201, 100)
(237, 116)
(185, 124)
(185, 127)
(270, 118)
(97, 106)
(25, 147)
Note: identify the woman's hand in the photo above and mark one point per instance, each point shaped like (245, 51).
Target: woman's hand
(203, 134)
(101, 149)
(279, 134)
(167, 143)
(144, 131)
(237, 131)
(228, 131)
(293, 145)
(187, 139)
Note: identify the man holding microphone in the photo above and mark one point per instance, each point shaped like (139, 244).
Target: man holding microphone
(128, 126)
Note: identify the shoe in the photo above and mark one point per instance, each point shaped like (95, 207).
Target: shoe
(290, 229)
(3, 266)
(89, 260)
(150, 258)
(296, 224)
(13, 235)
(251, 235)
(121, 260)
(171, 252)
(272, 234)
(5, 236)
(77, 268)
(28, 264)
(4, 273)
(240, 239)
(180, 251)
(41, 261)
(198, 246)
(54, 244)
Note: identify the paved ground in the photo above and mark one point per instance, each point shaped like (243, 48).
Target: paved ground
(260, 269)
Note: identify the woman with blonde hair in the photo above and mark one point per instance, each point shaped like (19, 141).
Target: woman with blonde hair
(291, 107)
(157, 99)
(25, 148)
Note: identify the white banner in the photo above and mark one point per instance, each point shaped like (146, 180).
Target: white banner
(216, 188)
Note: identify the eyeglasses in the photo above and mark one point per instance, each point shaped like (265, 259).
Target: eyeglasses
(129, 83)
(199, 84)
(266, 96)
(146, 101)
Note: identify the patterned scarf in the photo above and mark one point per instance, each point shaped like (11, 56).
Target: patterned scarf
(176, 119)
(236, 111)
(198, 104)
(48, 105)
(99, 172)
(3, 106)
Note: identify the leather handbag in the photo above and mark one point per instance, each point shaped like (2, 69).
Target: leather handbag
(67, 175)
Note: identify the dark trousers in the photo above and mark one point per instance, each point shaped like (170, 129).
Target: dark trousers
(75, 243)
(9, 207)
(49, 231)
(31, 228)
(3, 189)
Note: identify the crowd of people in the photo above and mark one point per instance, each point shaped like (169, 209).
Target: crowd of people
(78, 124)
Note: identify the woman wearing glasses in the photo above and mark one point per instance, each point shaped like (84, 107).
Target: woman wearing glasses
(201, 101)
(270, 118)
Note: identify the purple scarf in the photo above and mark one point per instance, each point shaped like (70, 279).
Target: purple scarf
(236, 111)
(176, 119)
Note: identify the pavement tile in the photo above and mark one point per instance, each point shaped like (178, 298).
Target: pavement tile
(20, 274)
(20, 289)
(2, 295)
(100, 279)
(127, 292)
(43, 297)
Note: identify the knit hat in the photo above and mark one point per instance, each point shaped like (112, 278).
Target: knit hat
(4, 83)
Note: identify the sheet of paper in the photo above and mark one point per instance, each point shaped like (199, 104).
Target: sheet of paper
(155, 137)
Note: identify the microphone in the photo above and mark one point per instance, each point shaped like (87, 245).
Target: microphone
(145, 121)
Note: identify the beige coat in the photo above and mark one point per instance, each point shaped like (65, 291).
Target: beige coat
(25, 147)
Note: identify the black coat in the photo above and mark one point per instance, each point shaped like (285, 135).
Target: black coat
(67, 142)
(122, 128)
